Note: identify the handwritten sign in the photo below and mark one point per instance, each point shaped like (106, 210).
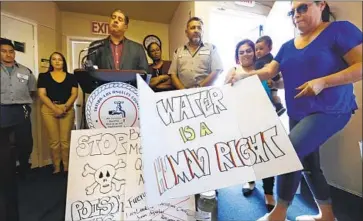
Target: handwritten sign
(99, 28)
(135, 197)
(97, 175)
(104, 163)
(204, 139)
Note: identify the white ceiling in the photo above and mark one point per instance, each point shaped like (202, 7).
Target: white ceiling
(152, 11)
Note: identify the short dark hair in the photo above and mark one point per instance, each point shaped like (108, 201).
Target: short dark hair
(5, 41)
(51, 68)
(194, 19)
(126, 16)
(239, 44)
(265, 39)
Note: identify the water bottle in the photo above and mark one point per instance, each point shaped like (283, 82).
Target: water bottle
(207, 206)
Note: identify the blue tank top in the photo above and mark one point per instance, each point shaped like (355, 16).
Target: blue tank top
(322, 57)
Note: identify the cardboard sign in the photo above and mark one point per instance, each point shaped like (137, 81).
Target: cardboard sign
(135, 197)
(97, 173)
(204, 139)
(104, 163)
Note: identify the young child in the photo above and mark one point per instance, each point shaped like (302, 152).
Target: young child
(263, 49)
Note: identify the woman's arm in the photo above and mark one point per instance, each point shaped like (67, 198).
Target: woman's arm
(157, 80)
(165, 85)
(267, 72)
(349, 75)
(42, 93)
(71, 99)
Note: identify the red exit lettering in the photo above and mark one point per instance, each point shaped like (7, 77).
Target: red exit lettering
(99, 28)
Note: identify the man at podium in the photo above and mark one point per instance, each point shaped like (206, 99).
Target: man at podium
(116, 51)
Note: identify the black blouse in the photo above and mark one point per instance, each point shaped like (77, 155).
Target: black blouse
(59, 92)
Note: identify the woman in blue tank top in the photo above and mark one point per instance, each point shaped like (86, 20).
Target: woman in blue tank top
(319, 68)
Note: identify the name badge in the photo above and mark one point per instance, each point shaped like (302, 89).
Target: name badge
(22, 76)
(183, 54)
(207, 52)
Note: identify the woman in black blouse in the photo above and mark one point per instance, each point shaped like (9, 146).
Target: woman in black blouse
(160, 80)
(58, 91)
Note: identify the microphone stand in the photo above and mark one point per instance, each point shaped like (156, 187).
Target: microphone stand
(79, 58)
(86, 56)
(86, 65)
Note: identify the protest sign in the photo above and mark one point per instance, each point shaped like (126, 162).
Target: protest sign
(135, 197)
(104, 163)
(97, 169)
(204, 139)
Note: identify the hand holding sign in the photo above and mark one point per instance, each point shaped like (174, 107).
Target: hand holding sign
(208, 135)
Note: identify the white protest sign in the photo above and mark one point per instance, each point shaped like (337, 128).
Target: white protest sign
(135, 197)
(204, 139)
(97, 169)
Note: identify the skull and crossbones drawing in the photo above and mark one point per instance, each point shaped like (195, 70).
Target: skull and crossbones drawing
(105, 177)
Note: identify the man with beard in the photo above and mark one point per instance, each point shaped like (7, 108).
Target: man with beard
(196, 64)
(116, 51)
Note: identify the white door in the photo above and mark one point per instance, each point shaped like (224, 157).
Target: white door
(21, 31)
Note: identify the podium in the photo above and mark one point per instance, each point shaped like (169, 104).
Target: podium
(89, 80)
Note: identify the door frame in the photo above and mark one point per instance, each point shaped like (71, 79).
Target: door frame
(35, 38)
(69, 39)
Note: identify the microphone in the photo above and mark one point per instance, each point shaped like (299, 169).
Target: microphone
(96, 45)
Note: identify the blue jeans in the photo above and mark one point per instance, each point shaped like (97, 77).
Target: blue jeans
(307, 135)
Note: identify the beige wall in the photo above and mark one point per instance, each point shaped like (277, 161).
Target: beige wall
(340, 156)
(79, 25)
(177, 25)
(44, 14)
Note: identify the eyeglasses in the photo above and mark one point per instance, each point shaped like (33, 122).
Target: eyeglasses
(301, 9)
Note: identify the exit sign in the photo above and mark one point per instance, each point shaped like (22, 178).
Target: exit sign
(245, 3)
(99, 28)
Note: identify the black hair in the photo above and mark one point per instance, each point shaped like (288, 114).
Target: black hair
(326, 13)
(265, 39)
(126, 16)
(239, 44)
(194, 19)
(149, 47)
(51, 68)
(5, 41)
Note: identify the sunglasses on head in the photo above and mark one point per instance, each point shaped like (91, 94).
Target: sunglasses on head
(301, 9)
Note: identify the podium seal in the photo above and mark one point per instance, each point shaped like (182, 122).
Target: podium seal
(113, 105)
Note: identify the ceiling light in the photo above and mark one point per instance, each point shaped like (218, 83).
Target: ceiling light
(245, 3)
